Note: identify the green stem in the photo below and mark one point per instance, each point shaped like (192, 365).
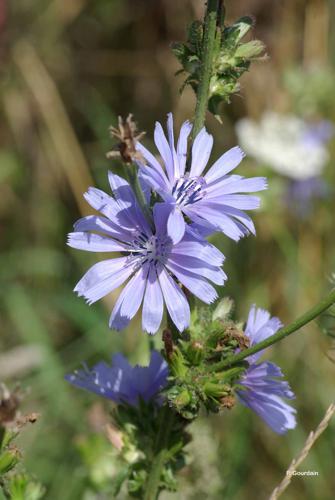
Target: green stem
(206, 65)
(2, 435)
(160, 453)
(315, 311)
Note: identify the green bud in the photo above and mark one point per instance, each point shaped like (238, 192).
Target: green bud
(250, 49)
(178, 364)
(223, 309)
(215, 390)
(232, 374)
(238, 30)
(8, 437)
(194, 352)
(22, 487)
(182, 400)
(8, 459)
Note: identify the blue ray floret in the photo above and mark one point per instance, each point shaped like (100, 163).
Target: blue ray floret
(152, 263)
(121, 382)
(263, 390)
(214, 200)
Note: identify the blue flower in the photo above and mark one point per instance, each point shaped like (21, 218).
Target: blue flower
(300, 195)
(263, 389)
(213, 200)
(151, 260)
(121, 382)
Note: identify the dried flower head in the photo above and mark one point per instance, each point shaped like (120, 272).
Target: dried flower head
(128, 135)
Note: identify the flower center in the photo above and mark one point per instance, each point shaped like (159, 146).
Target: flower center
(187, 191)
(151, 249)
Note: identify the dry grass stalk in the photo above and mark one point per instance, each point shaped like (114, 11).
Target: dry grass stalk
(56, 119)
(313, 436)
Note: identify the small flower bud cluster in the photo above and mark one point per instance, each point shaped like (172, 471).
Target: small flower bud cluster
(12, 483)
(194, 384)
(231, 59)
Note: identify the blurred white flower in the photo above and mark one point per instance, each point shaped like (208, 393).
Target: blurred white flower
(286, 143)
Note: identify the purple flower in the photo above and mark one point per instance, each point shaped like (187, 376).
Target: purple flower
(301, 194)
(318, 133)
(263, 391)
(150, 260)
(214, 200)
(122, 382)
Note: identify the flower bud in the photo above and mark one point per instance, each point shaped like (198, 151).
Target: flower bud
(215, 390)
(21, 486)
(178, 366)
(239, 29)
(182, 400)
(8, 459)
(223, 309)
(250, 49)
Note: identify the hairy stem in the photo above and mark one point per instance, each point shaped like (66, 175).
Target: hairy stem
(206, 64)
(160, 453)
(308, 316)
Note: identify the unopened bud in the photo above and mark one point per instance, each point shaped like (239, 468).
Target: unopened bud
(178, 366)
(214, 390)
(8, 459)
(250, 49)
(223, 309)
(241, 27)
(182, 400)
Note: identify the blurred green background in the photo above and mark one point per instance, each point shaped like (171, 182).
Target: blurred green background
(68, 69)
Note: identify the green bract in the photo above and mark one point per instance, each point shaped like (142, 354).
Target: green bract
(231, 59)
(192, 384)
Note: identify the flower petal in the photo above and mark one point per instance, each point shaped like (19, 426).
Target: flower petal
(240, 201)
(172, 147)
(193, 282)
(176, 225)
(129, 300)
(152, 162)
(275, 412)
(92, 242)
(161, 212)
(153, 304)
(259, 327)
(164, 150)
(263, 393)
(199, 248)
(103, 278)
(201, 151)
(105, 204)
(199, 267)
(182, 146)
(213, 214)
(227, 185)
(225, 164)
(102, 225)
(175, 300)
(101, 380)
(152, 179)
(127, 202)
